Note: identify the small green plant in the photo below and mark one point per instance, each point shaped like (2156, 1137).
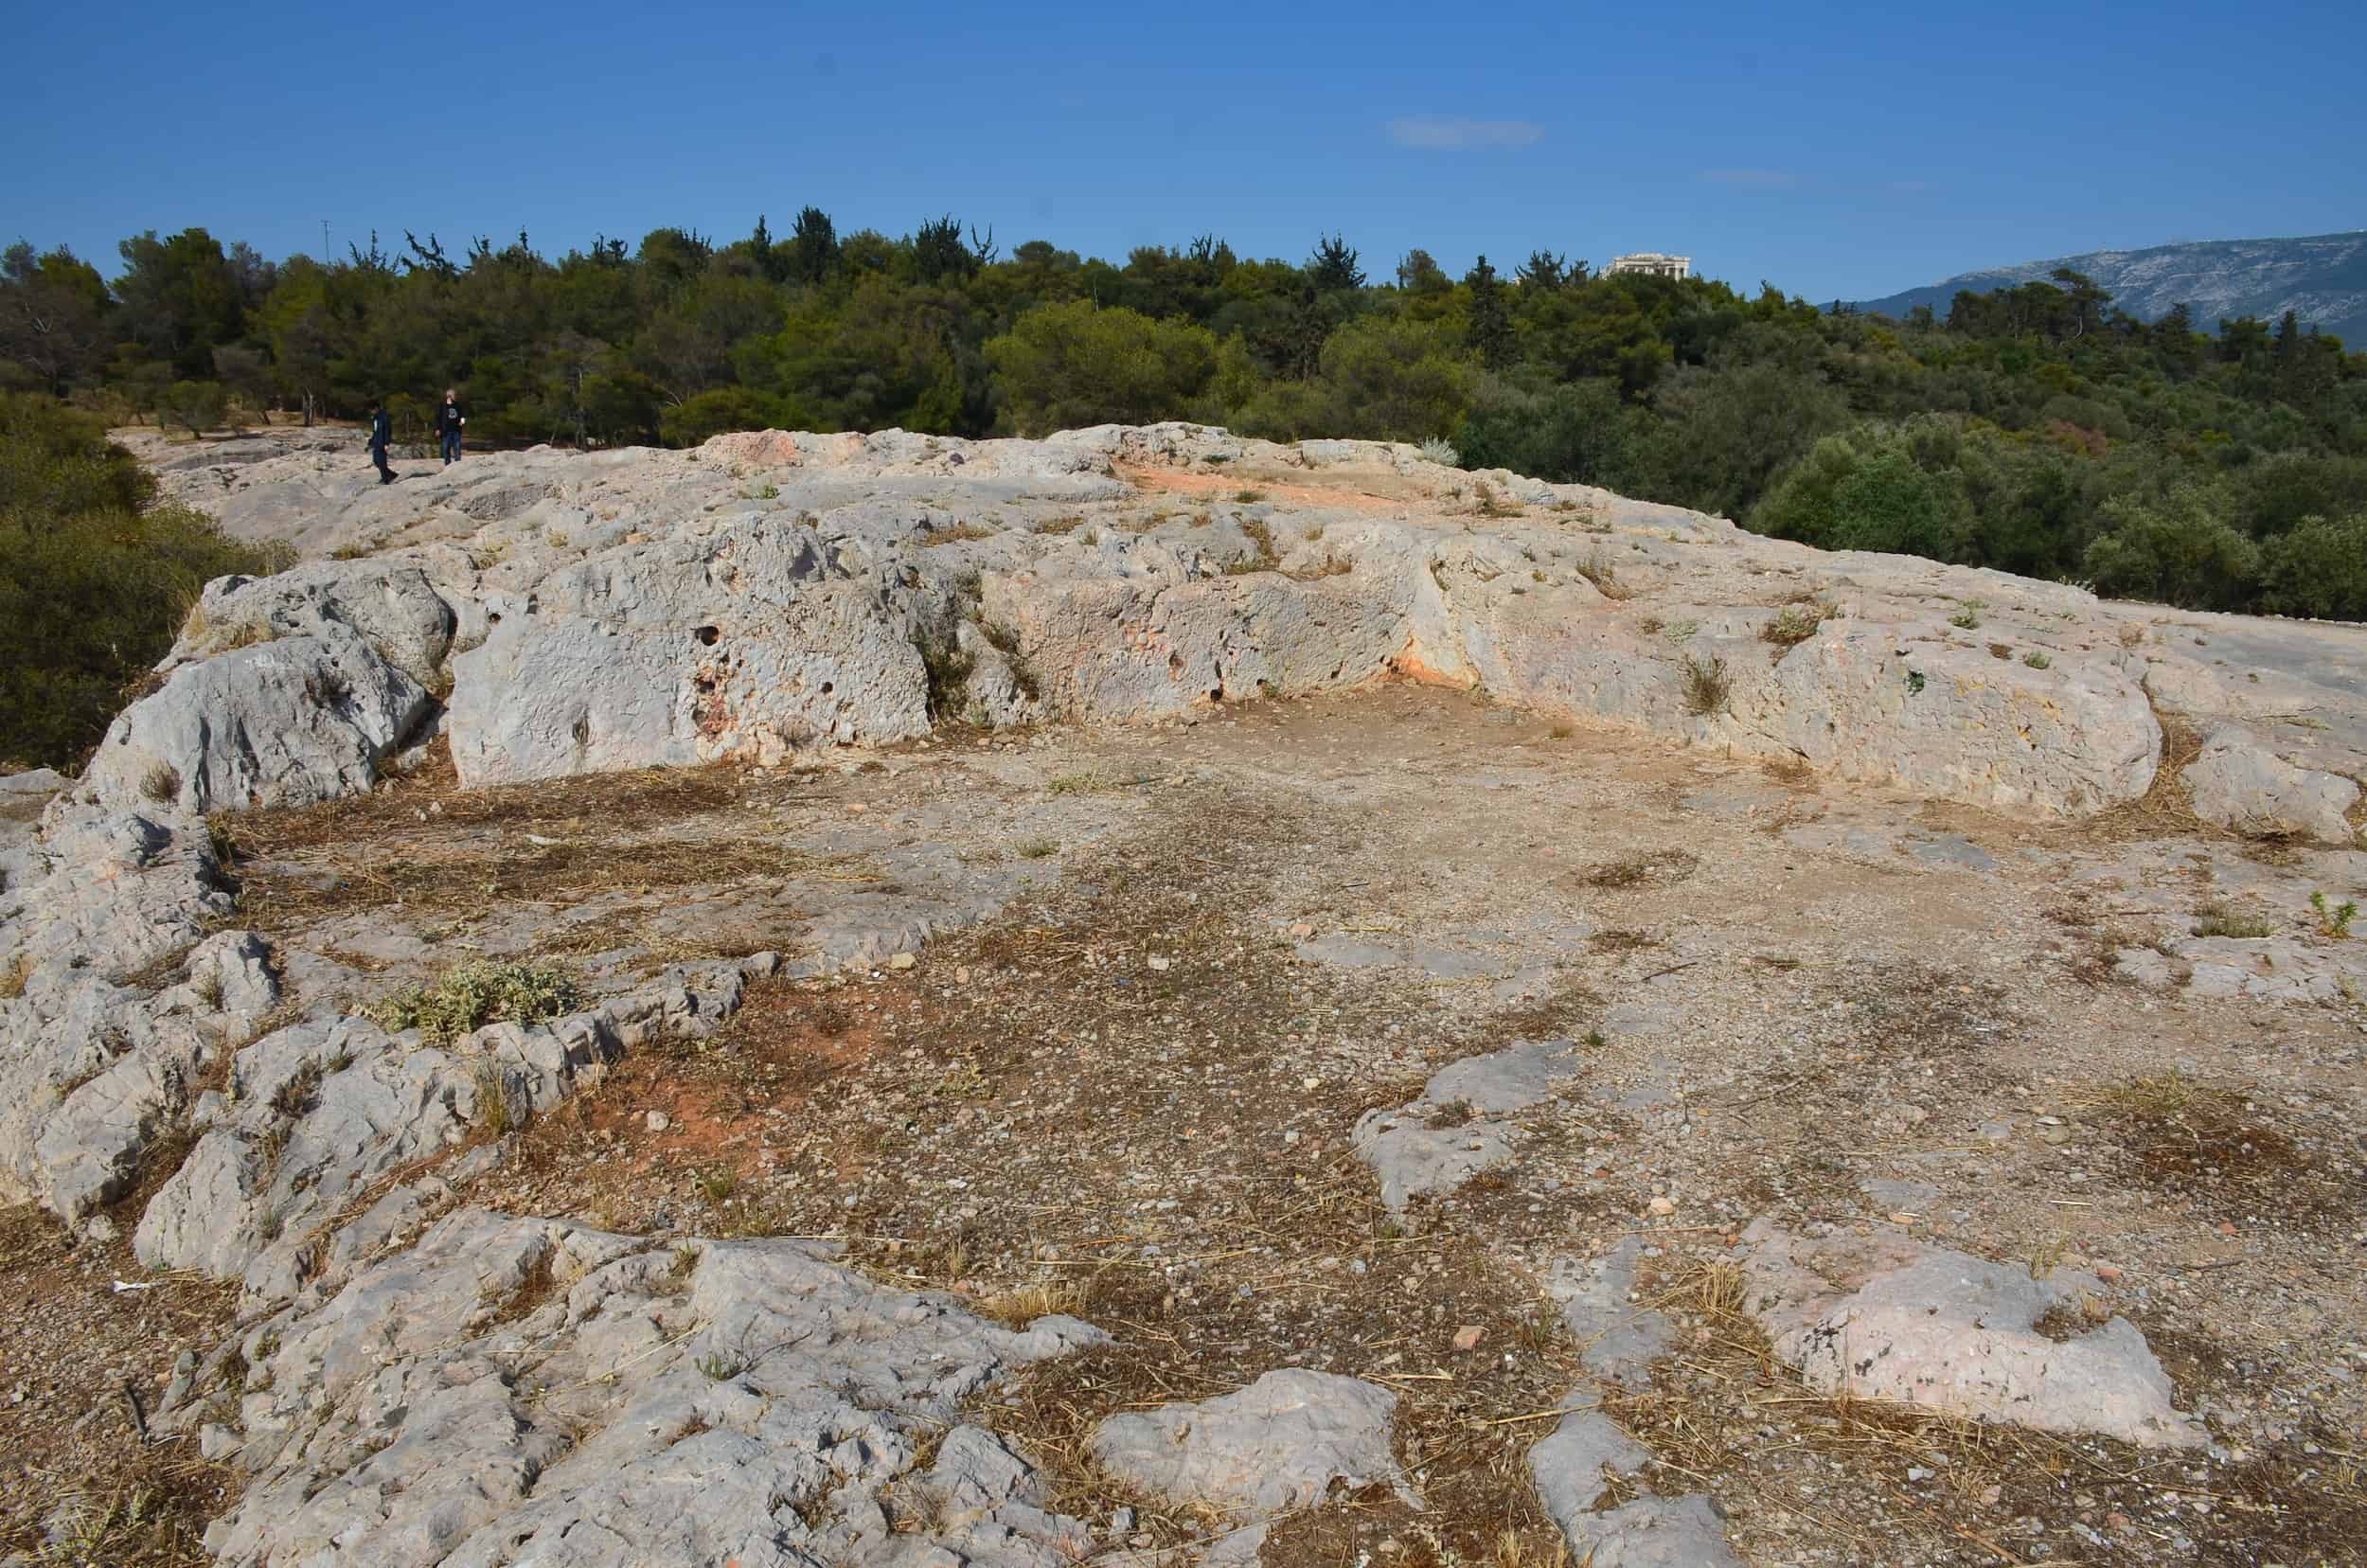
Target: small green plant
(1914, 682)
(721, 1366)
(766, 491)
(1038, 848)
(161, 783)
(1965, 618)
(1249, 497)
(717, 1186)
(1439, 452)
(685, 1260)
(477, 992)
(1707, 685)
(2047, 1255)
(2334, 919)
(2036, 660)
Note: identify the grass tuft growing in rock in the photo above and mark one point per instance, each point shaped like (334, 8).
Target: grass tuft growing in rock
(1707, 685)
(1795, 624)
(478, 992)
(2220, 920)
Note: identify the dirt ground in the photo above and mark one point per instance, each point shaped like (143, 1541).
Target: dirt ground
(1128, 1094)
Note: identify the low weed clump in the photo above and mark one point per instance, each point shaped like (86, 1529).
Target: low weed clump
(478, 992)
(2220, 920)
(1795, 624)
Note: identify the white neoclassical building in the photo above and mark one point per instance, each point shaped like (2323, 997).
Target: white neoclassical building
(1652, 262)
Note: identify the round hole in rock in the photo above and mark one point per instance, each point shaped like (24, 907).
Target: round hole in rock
(828, 688)
(706, 635)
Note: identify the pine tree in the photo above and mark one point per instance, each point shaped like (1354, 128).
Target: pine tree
(1492, 328)
(1332, 269)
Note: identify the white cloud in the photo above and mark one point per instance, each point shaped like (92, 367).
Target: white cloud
(1449, 133)
(1764, 179)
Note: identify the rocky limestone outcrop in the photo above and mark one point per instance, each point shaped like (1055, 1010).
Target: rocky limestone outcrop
(774, 594)
(513, 1390)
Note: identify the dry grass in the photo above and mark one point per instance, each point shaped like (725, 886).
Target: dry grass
(956, 534)
(2215, 919)
(2167, 808)
(1653, 869)
(1707, 685)
(1262, 536)
(437, 850)
(1796, 623)
(1598, 569)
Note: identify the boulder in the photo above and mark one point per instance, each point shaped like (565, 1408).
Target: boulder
(390, 604)
(283, 723)
(2239, 783)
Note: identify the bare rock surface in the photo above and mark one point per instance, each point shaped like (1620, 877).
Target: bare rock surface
(1890, 1318)
(1460, 1126)
(1572, 1466)
(518, 1387)
(1281, 1443)
(1618, 1337)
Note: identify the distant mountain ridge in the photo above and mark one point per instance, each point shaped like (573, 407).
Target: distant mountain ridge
(2321, 280)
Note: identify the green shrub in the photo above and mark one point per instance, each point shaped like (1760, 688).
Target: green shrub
(478, 992)
(2318, 568)
(1070, 364)
(2179, 551)
(94, 578)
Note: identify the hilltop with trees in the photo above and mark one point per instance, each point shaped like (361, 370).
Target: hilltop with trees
(2034, 428)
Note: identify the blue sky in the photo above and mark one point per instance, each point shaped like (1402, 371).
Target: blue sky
(1836, 150)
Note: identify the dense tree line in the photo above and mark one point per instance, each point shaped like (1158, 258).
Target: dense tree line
(2035, 429)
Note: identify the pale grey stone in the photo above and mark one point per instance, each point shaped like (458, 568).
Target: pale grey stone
(1618, 1339)
(281, 723)
(1647, 1532)
(1936, 1328)
(2239, 783)
(403, 1422)
(1277, 1445)
(393, 607)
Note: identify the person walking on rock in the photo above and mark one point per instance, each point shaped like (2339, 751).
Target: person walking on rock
(447, 422)
(381, 432)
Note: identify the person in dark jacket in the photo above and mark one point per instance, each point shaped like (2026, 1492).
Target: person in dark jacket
(381, 432)
(447, 422)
